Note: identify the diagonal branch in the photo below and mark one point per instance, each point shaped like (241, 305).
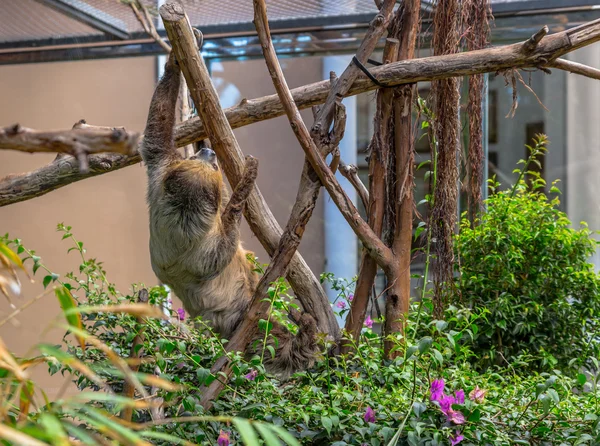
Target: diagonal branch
(377, 249)
(350, 172)
(340, 89)
(258, 215)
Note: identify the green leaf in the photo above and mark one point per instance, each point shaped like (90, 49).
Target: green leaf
(67, 303)
(267, 435)
(54, 428)
(581, 379)
(475, 416)
(246, 431)
(327, 423)
(418, 408)
(425, 344)
(46, 281)
(285, 435)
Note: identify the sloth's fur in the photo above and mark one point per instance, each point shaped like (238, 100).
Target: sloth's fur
(194, 233)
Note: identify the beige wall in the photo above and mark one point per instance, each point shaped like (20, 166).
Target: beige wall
(273, 143)
(108, 213)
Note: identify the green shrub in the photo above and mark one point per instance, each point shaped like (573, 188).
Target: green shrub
(529, 268)
(356, 399)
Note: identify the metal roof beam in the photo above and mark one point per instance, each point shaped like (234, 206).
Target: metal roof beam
(93, 17)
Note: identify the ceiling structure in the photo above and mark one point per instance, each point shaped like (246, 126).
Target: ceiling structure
(57, 30)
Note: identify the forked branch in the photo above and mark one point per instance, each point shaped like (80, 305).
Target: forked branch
(490, 60)
(82, 140)
(377, 249)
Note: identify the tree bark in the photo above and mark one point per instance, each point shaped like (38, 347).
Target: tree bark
(425, 69)
(258, 215)
(378, 159)
(400, 213)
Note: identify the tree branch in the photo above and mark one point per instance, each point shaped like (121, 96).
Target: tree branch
(258, 215)
(350, 172)
(81, 141)
(377, 249)
(576, 67)
(424, 69)
(340, 89)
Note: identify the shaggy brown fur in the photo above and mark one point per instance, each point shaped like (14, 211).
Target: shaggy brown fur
(194, 233)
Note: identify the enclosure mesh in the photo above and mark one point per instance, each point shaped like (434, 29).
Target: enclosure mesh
(31, 20)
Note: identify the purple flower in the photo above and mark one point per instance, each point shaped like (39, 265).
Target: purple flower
(341, 304)
(223, 439)
(460, 396)
(350, 297)
(252, 375)
(446, 403)
(181, 314)
(456, 416)
(457, 438)
(437, 389)
(369, 322)
(369, 415)
(477, 395)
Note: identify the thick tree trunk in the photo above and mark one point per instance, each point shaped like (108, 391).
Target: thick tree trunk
(400, 210)
(378, 159)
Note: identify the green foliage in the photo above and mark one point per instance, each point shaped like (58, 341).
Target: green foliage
(525, 264)
(354, 399)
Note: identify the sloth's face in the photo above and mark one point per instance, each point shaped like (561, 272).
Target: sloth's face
(208, 156)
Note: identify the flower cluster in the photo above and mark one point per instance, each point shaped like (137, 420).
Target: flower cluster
(223, 439)
(446, 403)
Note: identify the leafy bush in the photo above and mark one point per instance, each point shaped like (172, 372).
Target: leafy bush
(429, 395)
(529, 268)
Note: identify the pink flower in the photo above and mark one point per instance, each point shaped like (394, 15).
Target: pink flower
(252, 375)
(456, 416)
(350, 297)
(181, 314)
(437, 389)
(446, 403)
(460, 396)
(457, 438)
(341, 304)
(369, 415)
(477, 395)
(369, 322)
(223, 439)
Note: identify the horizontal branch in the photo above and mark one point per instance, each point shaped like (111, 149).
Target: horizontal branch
(82, 138)
(576, 67)
(425, 69)
(490, 60)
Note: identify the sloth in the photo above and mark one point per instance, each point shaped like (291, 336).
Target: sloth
(195, 243)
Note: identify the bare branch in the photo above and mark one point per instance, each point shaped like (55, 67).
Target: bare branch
(576, 67)
(534, 40)
(147, 23)
(350, 172)
(341, 87)
(376, 248)
(405, 72)
(81, 139)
